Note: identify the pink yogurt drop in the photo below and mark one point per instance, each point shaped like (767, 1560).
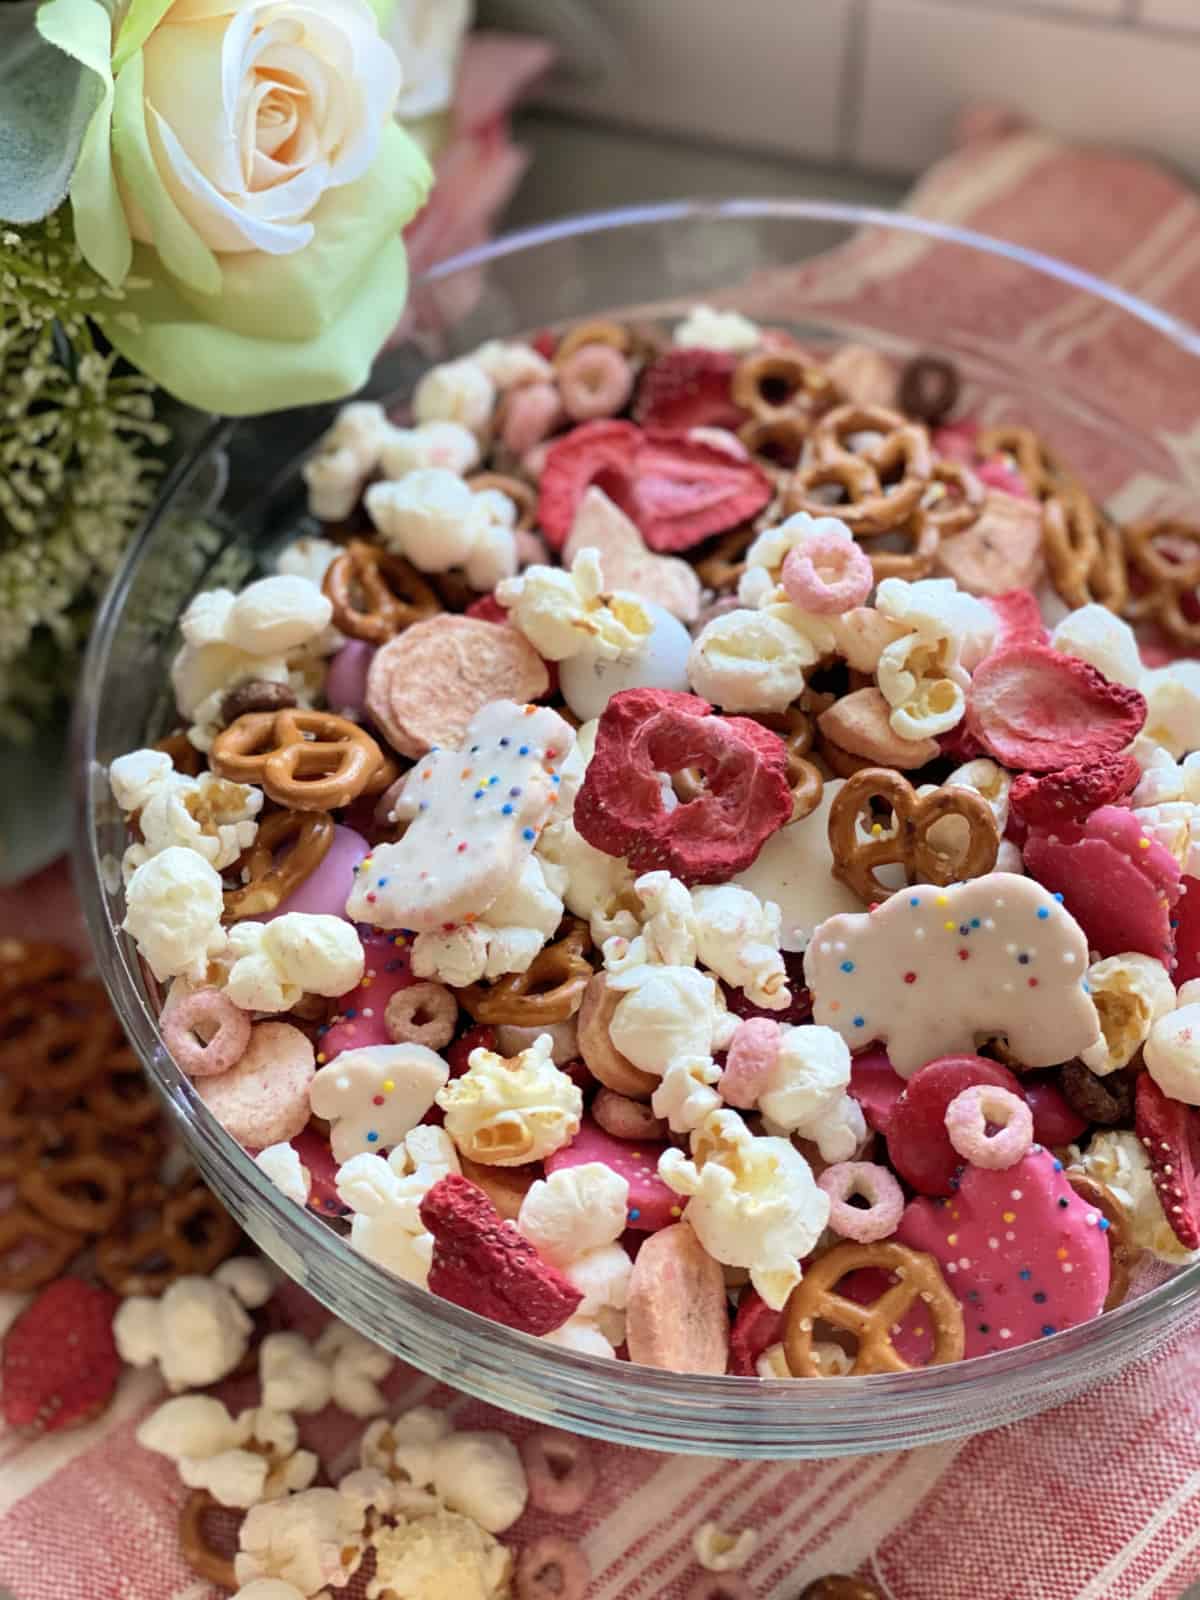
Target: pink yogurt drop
(1054, 1122)
(876, 1085)
(346, 681)
(652, 1205)
(359, 1019)
(325, 891)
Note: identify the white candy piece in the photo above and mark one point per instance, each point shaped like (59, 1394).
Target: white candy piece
(753, 1202)
(405, 1077)
(1130, 992)
(707, 329)
(173, 909)
(308, 1540)
(509, 363)
(793, 870)
(456, 391)
(1173, 707)
(309, 557)
(287, 1172)
(275, 963)
(589, 682)
(1172, 1052)
(198, 1332)
(573, 1211)
(508, 1111)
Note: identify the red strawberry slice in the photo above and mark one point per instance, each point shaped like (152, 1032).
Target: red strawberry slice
(481, 1262)
(600, 453)
(755, 1328)
(1037, 709)
(685, 490)
(1019, 617)
(688, 388)
(917, 1140)
(59, 1365)
(1170, 1132)
(1049, 799)
(458, 1055)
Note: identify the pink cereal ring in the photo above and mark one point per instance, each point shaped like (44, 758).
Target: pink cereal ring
(552, 1569)
(560, 1470)
(531, 414)
(625, 1118)
(967, 1119)
(750, 1062)
(878, 1219)
(594, 381)
(206, 1033)
(827, 574)
(264, 1098)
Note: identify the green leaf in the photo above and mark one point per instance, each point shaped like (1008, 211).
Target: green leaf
(46, 102)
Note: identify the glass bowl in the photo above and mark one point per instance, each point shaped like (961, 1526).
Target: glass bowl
(1015, 324)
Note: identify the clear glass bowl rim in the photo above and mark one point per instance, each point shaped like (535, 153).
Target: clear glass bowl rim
(852, 1414)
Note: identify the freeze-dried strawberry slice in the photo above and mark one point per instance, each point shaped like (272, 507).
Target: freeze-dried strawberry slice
(1037, 709)
(917, 1140)
(59, 1364)
(482, 1263)
(620, 807)
(684, 490)
(600, 453)
(1069, 795)
(458, 1055)
(755, 1328)
(1019, 618)
(688, 388)
(1170, 1132)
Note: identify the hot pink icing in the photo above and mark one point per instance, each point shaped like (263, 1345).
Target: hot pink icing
(359, 1019)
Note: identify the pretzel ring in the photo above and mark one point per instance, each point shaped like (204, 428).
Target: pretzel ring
(1037, 464)
(771, 385)
(121, 1097)
(1122, 1251)
(872, 1325)
(55, 1036)
(523, 495)
(163, 1235)
(185, 758)
(1167, 580)
(24, 962)
(1106, 1101)
(907, 843)
(32, 1250)
(954, 498)
(198, 1549)
(288, 848)
(778, 442)
(724, 565)
(598, 331)
(375, 595)
(307, 760)
(916, 562)
(1108, 579)
(82, 1193)
(550, 990)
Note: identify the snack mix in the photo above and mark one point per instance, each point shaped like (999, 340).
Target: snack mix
(689, 859)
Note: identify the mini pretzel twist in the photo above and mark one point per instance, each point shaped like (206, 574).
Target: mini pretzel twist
(598, 331)
(897, 451)
(924, 536)
(954, 498)
(815, 1296)
(773, 385)
(165, 1234)
(907, 842)
(1165, 553)
(550, 990)
(1122, 1251)
(778, 442)
(523, 495)
(796, 730)
(267, 876)
(198, 1544)
(1071, 541)
(120, 1096)
(82, 1193)
(1034, 459)
(23, 1129)
(307, 760)
(725, 563)
(376, 595)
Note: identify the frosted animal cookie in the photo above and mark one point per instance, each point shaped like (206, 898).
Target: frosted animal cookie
(508, 1111)
(208, 814)
(753, 1202)
(374, 1095)
(173, 908)
(275, 963)
(1130, 993)
(474, 816)
(1172, 1052)
(386, 1195)
(931, 970)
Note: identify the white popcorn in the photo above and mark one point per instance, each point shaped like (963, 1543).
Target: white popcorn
(602, 1277)
(718, 1551)
(988, 779)
(405, 1448)
(921, 679)
(685, 1096)
(1172, 1050)
(599, 887)
(427, 517)
(345, 457)
(574, 1210)
(805, 1093)
(309, 1540)
(664, 1012)
(293, 1377)
(493, 557)
(510, 363)
(249, 1278)
(515, 927)
(566, 614)
(1093, 634)
(456, 391)
(1174, 824)
(751, 660)
(282, 1164)
(583, 1336)
(240, 1461)
(356, 1369)
(480, 1476)
(737, 936)
(507, 1111)
(1130, 993)
(1117, 1159)
(937, 608)
(754, 1202)
(447, 445)
(386, 1196)
(309, 558)
(173, 908)
(275, 963)
(668, 933)
(1173, 706)
(1165, 780)
(771, 548)
(210, 815)
(276, 615)
(442, 1556)
(198, 1332)
(707, 329)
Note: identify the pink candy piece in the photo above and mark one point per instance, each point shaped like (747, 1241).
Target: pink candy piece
(315, 1155)
(876, 1085)
(594, 381)
(967, 1119)
(1117, 882)
(1054, 1122)
(560, 1470)
(325, 891)
(264, 1098)
(652, 1205)
(360, 1017)
(205, 1032)
(531, 414)
(552, 1568)
(827, 575)
(1048, 1268)
(750, 1062)
(346, 681)
(875, 1184)
(625, 1118)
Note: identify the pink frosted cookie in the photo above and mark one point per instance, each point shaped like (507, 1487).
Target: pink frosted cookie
(325, 891)
(930, 970)
(360, 1018)
(1118, 883)
(1022, 1252)
(651, 1204)
(263, 1099)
